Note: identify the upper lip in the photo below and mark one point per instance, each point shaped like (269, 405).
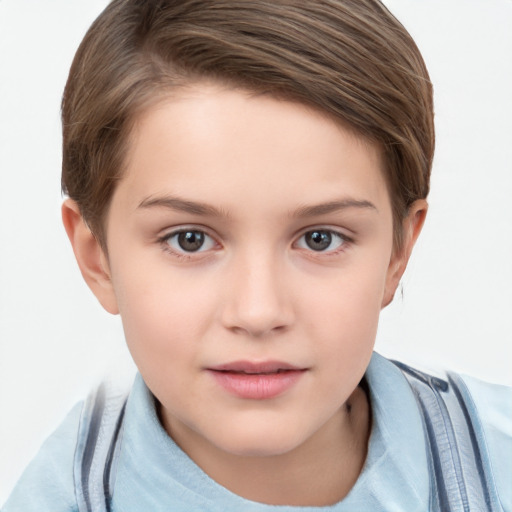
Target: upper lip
(254, 367)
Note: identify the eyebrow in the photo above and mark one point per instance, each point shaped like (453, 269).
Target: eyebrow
(332, 207)
(203, 209)
(182, 205)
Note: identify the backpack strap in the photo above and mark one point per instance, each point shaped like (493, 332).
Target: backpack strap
(461, 478)
(99, 439)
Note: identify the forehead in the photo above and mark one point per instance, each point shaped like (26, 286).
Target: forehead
(233, 147)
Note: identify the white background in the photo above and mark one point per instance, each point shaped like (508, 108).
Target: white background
(456, 310)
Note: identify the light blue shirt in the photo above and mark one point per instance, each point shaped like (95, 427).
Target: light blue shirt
(154, 474)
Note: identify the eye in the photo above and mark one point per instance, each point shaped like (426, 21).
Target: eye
(189, 240)
(321, 240)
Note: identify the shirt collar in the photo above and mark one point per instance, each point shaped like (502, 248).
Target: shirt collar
(153, 470)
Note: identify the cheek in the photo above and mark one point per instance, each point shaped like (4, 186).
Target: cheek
(164, 315)
(343, 317)
(347, 301)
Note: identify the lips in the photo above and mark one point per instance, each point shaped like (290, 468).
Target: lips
(256, 381)
(252, 367)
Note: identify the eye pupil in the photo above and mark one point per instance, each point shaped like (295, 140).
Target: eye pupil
(191, 241)
(318, 240)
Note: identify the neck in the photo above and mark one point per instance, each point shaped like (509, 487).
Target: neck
(319, 472)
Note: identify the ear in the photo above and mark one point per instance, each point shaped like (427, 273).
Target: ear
(411, 228)
(90, 256)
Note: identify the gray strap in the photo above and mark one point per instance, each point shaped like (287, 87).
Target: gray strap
(472, 447)
(99, 436)
(460, 470)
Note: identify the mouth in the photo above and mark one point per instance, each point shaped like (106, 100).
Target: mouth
(256, 381)
(252, 368)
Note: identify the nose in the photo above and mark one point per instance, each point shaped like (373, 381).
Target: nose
(258, 301)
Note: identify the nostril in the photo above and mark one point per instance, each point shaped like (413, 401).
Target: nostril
(258, 333)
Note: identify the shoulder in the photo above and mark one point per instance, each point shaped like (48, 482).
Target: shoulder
(474, 419)
(47, 483)
(86, 442)
(493, 405)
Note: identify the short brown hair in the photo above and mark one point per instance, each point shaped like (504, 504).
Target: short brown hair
(348, 58)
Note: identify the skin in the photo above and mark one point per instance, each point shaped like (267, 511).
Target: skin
(255, 175)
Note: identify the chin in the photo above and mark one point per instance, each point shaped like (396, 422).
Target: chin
(260, 442)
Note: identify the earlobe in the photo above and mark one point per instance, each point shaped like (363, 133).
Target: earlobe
(411, 226)
(90, 256)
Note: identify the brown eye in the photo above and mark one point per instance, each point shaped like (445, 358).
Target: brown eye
(189, 241)
(321, 240)
(318, 240)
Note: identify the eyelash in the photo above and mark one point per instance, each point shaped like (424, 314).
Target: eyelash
(343, 239)
(164, 241)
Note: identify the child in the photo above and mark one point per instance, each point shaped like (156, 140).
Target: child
(247, 181)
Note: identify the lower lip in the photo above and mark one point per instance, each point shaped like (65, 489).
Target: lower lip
(257, 386)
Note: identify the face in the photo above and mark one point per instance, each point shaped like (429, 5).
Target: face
(249, 254)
